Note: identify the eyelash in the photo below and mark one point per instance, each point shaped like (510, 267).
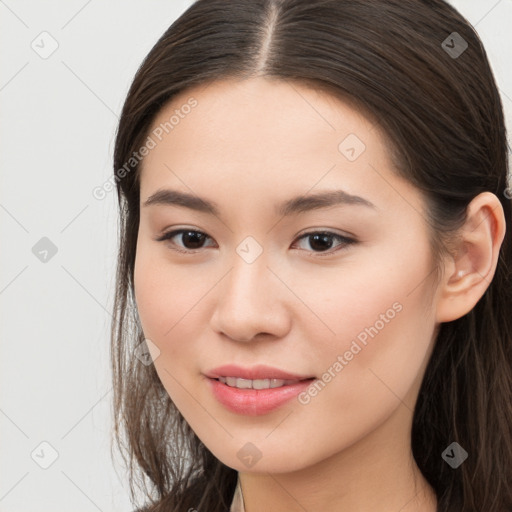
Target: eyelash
(346, 241)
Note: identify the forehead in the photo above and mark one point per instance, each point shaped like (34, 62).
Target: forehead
(263, 135)
(259, 110)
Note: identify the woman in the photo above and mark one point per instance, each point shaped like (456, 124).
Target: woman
(313, 292)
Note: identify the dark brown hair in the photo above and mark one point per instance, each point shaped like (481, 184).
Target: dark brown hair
(442, 116)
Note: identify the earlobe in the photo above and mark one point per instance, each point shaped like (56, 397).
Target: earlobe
(470, 271)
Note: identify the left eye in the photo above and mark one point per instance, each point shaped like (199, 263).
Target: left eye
(323, 240)
(319, 239)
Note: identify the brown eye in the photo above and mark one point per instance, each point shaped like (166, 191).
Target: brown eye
(323, 241)
(191, 239)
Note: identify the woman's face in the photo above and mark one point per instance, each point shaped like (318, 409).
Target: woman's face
(351, 307)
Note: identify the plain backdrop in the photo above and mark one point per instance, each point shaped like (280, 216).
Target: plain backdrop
(58, 243)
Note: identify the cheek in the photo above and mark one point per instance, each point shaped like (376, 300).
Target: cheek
(165, 301)
(169, 302)
(369, 368)
(383, 325)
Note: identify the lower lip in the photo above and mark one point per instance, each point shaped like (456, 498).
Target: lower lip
(253, 402)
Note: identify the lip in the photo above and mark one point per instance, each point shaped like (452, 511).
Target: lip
(255, 402)
(254, 372)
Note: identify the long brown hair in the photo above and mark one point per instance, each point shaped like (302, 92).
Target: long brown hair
(417, 69)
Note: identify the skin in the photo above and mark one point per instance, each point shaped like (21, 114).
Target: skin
(248, 145)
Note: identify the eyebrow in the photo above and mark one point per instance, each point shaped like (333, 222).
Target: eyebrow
(295, 205)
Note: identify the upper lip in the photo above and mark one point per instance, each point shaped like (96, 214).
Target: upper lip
(254, 372)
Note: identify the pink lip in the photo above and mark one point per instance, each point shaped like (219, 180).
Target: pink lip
(254, 402)
(255, 372)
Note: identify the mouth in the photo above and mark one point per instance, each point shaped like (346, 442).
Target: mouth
(255, 390)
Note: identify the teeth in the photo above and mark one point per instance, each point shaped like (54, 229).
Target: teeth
(239, 383)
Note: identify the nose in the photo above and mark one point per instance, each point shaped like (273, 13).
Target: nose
(251, 302)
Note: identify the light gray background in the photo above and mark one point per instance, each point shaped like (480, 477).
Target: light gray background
(58, 119)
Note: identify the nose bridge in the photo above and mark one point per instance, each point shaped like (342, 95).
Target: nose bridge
(247, 303)
(249, 276)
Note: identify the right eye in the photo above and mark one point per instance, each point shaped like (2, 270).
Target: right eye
(190, 237)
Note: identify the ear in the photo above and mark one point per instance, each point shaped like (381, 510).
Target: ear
(470, 270)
